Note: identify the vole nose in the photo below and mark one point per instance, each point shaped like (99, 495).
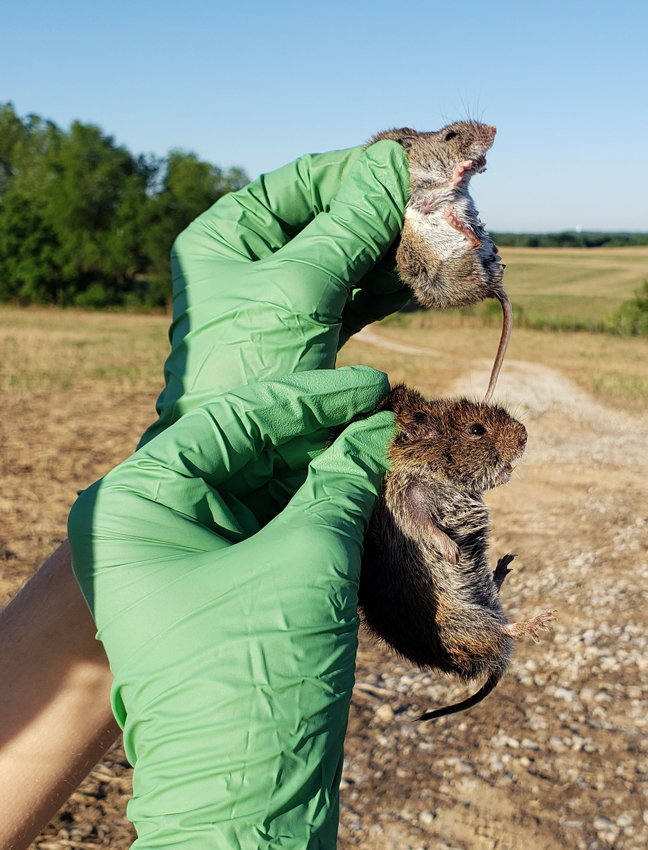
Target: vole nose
(491, 130)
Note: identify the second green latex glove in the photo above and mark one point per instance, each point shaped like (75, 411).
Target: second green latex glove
(233, 654)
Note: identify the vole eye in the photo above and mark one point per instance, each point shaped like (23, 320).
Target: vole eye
(449, 136)
(476, 429)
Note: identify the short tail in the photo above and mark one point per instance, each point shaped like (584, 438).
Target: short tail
(467, 703)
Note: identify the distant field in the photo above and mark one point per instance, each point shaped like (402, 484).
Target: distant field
(586, 284)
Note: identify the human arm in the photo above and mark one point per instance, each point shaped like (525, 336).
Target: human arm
(55, 717)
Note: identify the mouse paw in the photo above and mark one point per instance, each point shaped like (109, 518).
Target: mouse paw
(451, 552)
(456, 223)
(502, 570)
(530, 627)
(460, 172)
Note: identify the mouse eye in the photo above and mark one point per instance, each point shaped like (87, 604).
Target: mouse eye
(449, 136)
(476, 429)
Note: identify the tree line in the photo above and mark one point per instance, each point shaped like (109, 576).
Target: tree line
(569, 239)
(84, 222)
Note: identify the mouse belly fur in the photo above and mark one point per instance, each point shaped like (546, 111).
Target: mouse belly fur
(437, 614)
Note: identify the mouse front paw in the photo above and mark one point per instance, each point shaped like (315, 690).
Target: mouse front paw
(460, 172)
(461, 226)
(449, 550)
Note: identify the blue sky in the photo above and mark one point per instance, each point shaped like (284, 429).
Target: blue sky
(257, 84)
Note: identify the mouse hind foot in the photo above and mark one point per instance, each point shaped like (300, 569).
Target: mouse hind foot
(530, 627)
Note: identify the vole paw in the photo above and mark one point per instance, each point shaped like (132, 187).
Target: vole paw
(530, 627)
(460, 172)
(502, 570)
(428, 205)
(448, 549)
(455, 222)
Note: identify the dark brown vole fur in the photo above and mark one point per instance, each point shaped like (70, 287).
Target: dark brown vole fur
(426, 588)
(444, 252)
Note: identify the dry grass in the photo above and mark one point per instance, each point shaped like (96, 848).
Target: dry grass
(579, 283)
(66, 349)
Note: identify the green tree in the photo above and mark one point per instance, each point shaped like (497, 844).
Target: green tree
(83, 221)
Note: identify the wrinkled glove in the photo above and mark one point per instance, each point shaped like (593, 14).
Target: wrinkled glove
(274, 278)
(233, 646)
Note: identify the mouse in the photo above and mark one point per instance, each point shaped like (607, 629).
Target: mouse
(444, 252)
(426, 587)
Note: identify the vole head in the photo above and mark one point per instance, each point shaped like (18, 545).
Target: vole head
(433, 156)
(466, 444)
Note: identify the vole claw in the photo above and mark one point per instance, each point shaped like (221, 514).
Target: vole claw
(459, 172)
(530, 627)
(455, 222)
(502, 570)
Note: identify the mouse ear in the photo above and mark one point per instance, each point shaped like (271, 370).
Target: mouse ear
(418, 426)
(405, 141)
(410, 409)
(404, 136)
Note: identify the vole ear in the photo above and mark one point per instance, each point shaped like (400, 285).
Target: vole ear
(410, 409)
(417, 426)
(404, 136)
(406, 141)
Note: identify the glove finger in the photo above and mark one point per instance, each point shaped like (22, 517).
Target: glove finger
(182, 468)
(340, 246)
(333, 507)
(278, 463)
(259, 219)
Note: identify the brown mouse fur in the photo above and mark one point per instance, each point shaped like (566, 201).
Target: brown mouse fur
(426, 588)
(444, 253)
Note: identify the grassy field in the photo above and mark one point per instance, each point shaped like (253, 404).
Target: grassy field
(62, 349)
(579, 286)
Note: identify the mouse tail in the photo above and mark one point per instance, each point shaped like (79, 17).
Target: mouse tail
(467, 703)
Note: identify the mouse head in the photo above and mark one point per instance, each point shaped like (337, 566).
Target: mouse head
(434, 156)
(466, 444)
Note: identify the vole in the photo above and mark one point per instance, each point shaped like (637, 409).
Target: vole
(426, 588)
(444, 252)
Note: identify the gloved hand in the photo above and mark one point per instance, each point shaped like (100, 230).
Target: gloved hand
(274, 278)
(232, 646)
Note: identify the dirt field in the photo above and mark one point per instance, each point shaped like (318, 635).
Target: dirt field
(557, 756)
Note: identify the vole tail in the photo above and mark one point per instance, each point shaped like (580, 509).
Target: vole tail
(467, 703)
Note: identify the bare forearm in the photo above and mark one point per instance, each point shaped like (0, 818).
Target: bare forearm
(55, 717)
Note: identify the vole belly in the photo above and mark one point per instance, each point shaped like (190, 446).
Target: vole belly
(436, 614)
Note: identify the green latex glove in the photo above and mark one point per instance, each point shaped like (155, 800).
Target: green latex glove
(273, 279)
(232, 646)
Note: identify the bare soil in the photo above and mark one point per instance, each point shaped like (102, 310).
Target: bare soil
(556, 757)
